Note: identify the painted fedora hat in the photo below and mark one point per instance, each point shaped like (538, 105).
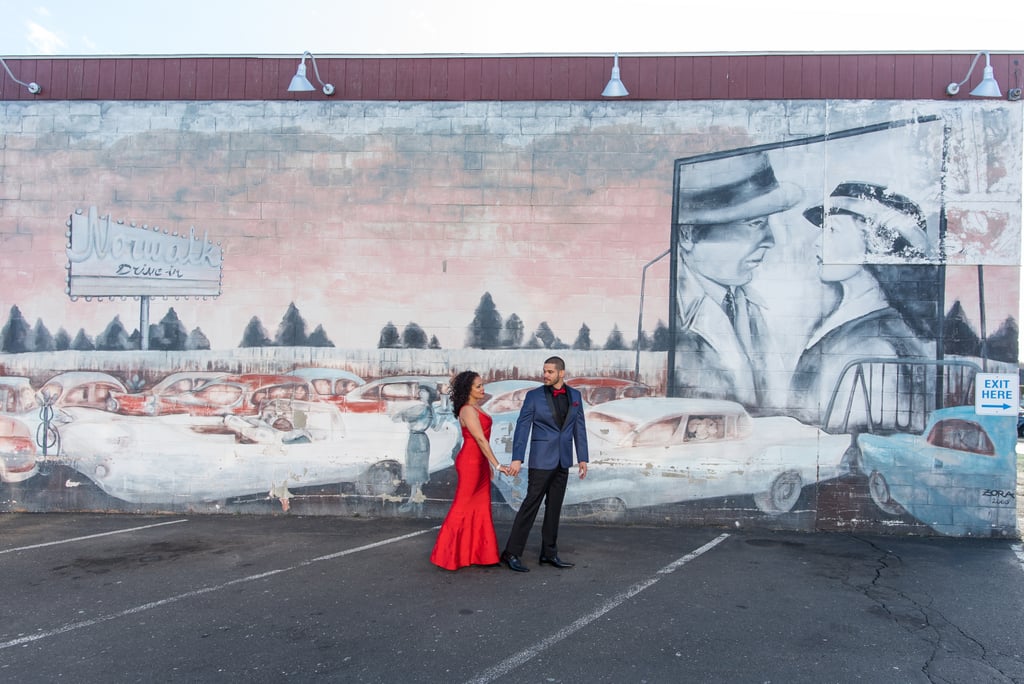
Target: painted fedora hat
(895, 224)
(735, 188)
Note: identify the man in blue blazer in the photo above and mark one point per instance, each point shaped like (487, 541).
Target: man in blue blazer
(551, 422)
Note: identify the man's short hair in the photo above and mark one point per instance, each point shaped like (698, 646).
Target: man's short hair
(556, 361)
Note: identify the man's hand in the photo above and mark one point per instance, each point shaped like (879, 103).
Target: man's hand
(583, 469)
(513, 468)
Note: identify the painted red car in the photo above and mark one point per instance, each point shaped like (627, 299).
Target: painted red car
(386, 395)
(597, 390)
(239, 395)
(165, 393)
(17, 450)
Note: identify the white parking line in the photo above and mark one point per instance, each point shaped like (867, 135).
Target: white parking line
(509, 664)
(71, 626)
(90, 536)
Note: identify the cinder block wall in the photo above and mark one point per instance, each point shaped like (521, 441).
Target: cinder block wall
(425, 215)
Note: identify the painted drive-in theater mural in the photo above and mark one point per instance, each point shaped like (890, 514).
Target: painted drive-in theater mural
(795, 314)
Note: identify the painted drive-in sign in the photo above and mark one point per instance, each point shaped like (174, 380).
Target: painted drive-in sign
(110, 259)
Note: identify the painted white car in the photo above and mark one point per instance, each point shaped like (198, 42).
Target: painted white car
(503, 401)
(175, 459)
(650, 451)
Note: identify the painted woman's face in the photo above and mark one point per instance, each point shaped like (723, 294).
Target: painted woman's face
(840, 247)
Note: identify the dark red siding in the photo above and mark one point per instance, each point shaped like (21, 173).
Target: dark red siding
(651, 77)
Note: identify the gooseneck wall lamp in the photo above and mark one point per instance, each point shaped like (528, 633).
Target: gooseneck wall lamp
(32, 86)
(301, 84)
(615, 88)
(988, 86)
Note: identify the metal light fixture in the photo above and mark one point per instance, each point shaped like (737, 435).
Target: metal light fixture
(32, 86)
(988, 86)
(615, 88)
(301, 84)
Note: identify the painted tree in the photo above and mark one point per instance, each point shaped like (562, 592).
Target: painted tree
(547, 336)
(292, 330)
(389, 338)
(615, 342)
(197, 340)
(82, 342)
(961, 340)
(644, 342)
(512, 335)
(485, 328)
(661, 340)
(1002, 344)
(255, 335)
(42, 340)
(434, 342)
(62, 340)
(583, 339)
(413, 337)
(318, 338)
(114, 337)
(169, 334)
(16, 334)
(534, 342)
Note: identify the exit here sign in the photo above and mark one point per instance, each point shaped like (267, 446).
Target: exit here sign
(996, 394)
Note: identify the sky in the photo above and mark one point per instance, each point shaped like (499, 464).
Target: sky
(357, 27)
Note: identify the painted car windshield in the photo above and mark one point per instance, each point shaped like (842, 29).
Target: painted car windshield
(16, 399)
(400, 390)
(220, 394)
(961, 435)
(608, 427)
(704, 428)
(507, 402)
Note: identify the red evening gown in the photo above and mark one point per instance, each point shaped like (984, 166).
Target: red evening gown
(467, 534)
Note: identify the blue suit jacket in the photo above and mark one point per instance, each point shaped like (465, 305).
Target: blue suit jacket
(550, 445)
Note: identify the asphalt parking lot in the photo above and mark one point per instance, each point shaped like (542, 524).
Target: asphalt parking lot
(225, 598)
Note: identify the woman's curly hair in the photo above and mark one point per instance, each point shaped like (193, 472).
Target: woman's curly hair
(461, 387)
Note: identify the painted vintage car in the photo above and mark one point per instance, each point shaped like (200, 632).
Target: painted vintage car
(17, 450)
(19, 400)
(227, 395)
(89, 389)
(164, 396)
(330, 384)
(392, 394)
(958, 476)
(653, 450)
(503, 399)
(597, 390)
(182, 459)
(17, 397)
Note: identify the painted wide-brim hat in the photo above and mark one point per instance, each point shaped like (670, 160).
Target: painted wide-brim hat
(737, 188)
(895, 221)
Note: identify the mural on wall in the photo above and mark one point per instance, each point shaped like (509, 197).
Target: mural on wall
(833, 272)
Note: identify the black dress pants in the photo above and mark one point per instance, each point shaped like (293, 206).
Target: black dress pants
(542, 486)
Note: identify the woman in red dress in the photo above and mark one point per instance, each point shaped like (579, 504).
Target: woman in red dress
(467, 534)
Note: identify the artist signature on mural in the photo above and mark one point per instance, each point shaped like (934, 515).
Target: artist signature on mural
(998, 497)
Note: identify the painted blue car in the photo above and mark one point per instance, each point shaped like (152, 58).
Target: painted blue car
(958, 476)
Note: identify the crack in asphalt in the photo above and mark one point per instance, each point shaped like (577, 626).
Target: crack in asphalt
(954, 652)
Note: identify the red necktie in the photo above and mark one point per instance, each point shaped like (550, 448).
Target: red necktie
(556, 392)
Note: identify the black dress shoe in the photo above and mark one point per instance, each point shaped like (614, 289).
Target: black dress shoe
(556, 561)
(513, 563)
